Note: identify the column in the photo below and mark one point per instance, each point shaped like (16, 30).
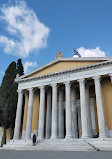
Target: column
(74, 113)
(35, 113)
(110, 77)
(89, 123)
(61, 115)
(79, 119)
(18, 115)
(93, 117)
(29, 114)
(25, 116)
(68, 111)
(41, 113)
(101, 120)
(54, 112)
(83, 109)
(48, 115)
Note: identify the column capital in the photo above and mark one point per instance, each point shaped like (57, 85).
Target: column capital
(67, 83)
(60, 88)
(31, 90)
(41, 87)
(37, 92)
(96, 78)
(73, 87)
(87, 85)
(81, 80)
(20, 91)
(54, 85)
(26, 95)
(48, 90)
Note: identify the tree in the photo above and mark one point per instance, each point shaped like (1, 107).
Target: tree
(20, 69)
(8, 99)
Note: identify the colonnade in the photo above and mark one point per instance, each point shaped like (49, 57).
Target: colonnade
(55, 120)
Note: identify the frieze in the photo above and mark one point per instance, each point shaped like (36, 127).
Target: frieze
(60, 77)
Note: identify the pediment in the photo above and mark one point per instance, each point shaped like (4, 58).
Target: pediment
(62, 65)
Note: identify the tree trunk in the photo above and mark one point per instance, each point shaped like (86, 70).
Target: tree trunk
(11, 133)
(4, 136)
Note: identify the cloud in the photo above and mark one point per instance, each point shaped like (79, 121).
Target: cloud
(91, 52)
(26, 31)
(1, 72)
(28, 64)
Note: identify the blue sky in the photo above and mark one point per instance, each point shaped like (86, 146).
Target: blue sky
(34, 30)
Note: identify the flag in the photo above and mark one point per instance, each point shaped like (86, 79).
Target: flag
(76, 52)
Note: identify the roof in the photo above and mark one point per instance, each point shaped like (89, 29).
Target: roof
(100, 59)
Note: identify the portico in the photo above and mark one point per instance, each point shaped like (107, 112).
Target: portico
(66, 106)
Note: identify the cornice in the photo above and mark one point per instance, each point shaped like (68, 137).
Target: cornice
(96, 65)
(82, 59)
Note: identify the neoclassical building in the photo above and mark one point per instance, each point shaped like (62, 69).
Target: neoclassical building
(66, 98)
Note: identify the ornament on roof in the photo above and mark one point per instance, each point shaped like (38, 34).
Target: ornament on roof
(76, 54)
(59, 55)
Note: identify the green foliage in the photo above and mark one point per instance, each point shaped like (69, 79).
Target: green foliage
(20, 69)
(8, 97)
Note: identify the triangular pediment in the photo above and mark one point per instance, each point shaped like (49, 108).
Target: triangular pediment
(62, 65)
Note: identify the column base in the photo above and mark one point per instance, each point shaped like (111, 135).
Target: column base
(75, 136)
(27, 139)
(47, 137)
(102, 137)
(40, 138)
(60, 137)
(53, 138)
(68, 137)
(16, 138)
(85, 137)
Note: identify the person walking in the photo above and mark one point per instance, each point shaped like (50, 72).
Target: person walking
(34, 139)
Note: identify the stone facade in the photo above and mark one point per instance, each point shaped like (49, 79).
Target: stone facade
(70, 102)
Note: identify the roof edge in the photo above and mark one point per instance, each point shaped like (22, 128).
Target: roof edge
(67, 59)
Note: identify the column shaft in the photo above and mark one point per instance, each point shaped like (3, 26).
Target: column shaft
(25, 116)
(61, 116)
(89, 123)
(79, 121)
(101, 119)
(83, 109)
(54, 112)
(74, 113)
(93, 117)
(29, 115)
(68, 111)
(48, 115)
(18, 115)
(41, 113)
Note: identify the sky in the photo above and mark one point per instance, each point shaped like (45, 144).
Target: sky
(34, 30)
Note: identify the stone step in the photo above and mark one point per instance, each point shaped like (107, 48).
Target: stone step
(57, 149)
(102, 145)
(62, 145)
(59, 145)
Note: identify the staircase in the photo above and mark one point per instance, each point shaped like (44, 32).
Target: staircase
(101, 144)
(51, 145)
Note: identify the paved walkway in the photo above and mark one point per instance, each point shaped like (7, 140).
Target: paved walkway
(6, 154)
